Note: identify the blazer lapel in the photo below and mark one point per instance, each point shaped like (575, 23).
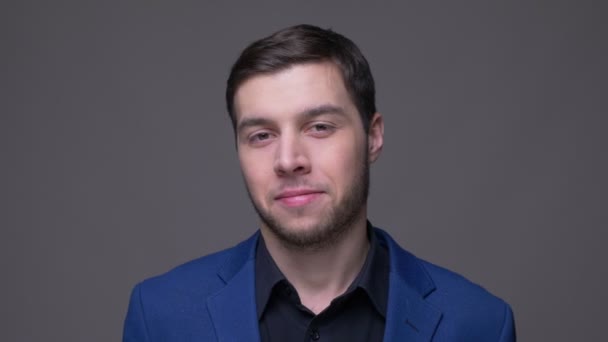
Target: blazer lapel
(409, 317)
(233, 308)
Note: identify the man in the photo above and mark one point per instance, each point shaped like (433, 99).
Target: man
(302, 104)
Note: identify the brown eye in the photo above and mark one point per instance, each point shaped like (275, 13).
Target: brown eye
(321, 130)
(261, 136)
(321, 127)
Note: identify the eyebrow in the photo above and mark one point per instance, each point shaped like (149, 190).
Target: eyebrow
(250, 122)
(321, 110)
(309, 113)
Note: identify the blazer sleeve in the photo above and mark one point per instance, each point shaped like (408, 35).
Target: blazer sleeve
(135, 329)
(508, 326)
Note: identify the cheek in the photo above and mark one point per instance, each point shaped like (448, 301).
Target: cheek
(256, 171)
(340, 162)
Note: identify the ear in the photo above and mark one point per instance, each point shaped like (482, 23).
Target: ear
(375, 137)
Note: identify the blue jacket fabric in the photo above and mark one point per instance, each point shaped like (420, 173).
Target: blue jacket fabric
(213, 299)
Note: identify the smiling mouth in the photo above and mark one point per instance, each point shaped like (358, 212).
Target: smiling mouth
(297, 198)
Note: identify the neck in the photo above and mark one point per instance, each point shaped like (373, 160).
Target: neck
(320, 275)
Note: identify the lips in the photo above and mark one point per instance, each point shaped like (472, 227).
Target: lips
(297, 197)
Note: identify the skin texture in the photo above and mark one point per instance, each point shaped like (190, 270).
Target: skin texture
(305, 159)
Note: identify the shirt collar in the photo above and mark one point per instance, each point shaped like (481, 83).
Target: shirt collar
(373, 277)
(267, 276)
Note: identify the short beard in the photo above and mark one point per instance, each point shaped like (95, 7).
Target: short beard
(336, 222)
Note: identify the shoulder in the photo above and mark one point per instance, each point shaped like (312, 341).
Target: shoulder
(435, 283)
(467, 309)
(455, 292)
(171, 306)
(452, 286)
(200, 276)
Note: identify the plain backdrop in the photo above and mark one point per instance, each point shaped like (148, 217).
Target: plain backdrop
(118, 161)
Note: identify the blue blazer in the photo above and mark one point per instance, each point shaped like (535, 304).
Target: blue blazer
(213, 299)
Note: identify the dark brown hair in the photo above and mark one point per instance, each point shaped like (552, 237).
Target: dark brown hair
(305, 44)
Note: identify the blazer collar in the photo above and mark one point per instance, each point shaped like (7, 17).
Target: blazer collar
(409, 317)
(233, 308)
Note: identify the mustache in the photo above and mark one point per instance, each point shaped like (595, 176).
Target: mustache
(298, 184)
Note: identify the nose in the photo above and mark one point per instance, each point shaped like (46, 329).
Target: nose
(291, 157)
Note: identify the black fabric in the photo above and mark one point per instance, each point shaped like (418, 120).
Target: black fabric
(357, 315)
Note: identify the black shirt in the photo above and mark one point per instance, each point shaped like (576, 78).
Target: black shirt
(357, 315)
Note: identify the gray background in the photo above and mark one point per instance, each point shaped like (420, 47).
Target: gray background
(118, 161)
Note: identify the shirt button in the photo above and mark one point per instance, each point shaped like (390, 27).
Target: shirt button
(315, 335)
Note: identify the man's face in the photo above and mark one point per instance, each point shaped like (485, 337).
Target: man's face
(304, 153)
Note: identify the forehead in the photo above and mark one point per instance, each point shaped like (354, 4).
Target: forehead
(292, 90)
